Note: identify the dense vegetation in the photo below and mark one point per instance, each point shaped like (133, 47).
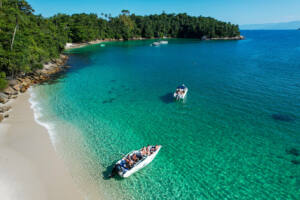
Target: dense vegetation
(28, 40)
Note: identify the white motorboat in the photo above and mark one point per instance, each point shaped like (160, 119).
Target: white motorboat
(180, 92)
(122, 168)
(155, 43)
(163, 42)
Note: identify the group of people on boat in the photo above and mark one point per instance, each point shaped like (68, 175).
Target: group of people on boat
(180, 92)
(130, 160)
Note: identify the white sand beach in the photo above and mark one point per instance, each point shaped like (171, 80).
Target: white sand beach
(30, 169)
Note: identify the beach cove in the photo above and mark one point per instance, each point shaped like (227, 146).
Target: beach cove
(225, 140)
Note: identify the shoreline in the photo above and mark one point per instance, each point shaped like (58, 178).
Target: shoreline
(28, 156)
(69, 46)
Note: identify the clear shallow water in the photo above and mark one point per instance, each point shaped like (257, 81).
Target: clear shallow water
(232, 137)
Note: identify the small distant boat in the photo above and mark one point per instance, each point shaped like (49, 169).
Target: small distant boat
(123, 168)
(102, 45)
(155, 43)
(180, 92)
(163, 42)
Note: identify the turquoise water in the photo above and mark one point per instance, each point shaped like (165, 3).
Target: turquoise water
(236, 136)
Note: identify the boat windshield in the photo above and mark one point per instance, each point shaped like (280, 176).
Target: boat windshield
(181, 87)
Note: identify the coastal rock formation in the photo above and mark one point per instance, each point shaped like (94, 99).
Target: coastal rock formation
(4, 109)
(240, 37)
(3, 98)
(10, 91)
(23, 82)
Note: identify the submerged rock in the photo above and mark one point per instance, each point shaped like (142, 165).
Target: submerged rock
(283, 117)
(293, 151)
(296, 162)
(108, 101)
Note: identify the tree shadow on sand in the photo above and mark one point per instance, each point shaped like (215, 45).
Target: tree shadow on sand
(167, 98)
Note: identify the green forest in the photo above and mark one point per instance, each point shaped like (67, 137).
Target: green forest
(28, 40)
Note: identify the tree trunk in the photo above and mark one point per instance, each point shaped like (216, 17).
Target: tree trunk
(13, 38)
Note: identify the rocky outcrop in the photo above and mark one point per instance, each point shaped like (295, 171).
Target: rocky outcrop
(3, 98)
(240, 37)
(22, 83)
(4, 109)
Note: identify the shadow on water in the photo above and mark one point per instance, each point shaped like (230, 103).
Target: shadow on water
(283, 117)
(293, 151)
(167, 98)
(108, 100)
(106, 174)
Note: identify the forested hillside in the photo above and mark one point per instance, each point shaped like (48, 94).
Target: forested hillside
(28, 40)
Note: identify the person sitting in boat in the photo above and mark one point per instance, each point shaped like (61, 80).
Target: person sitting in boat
(144, 151)
(129, 162)
(152, 149)
(135, 157)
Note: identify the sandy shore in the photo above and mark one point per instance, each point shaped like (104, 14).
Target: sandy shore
(30, 169)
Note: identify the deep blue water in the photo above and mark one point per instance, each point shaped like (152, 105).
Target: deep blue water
(236, 136)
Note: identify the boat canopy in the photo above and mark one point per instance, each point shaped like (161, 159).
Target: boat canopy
(181, 87)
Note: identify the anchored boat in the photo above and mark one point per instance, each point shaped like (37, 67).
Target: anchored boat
(134, 161)
(180, 92)
(163, 42)
(155, 44)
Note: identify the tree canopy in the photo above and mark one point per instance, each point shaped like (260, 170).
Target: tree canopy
(28, 40)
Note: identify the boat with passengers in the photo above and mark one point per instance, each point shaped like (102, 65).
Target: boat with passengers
(180, 92)
(135, 160)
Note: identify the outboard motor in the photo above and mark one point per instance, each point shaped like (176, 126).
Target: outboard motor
(115, 170)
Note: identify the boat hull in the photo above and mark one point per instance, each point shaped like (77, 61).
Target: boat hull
(140, 165)
(178, 97)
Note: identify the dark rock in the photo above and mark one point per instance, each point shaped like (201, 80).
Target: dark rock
(10, 91)
(1, 117)
(23, 89)
(296, 162)
(108, 101)
(293, 151)
(3, 98)
(204, 37)
(6, 115)
(17, 87)
(283, 117)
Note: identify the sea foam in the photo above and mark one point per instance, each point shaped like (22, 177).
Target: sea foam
(38, 115)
